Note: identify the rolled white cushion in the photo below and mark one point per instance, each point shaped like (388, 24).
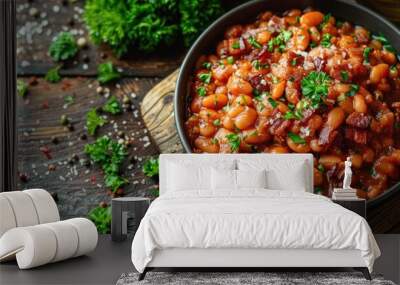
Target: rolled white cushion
(33, 246)
(37, 245)
(23, 208)
(66, 238)
(46, 208)
(7, 218)
(87, 235)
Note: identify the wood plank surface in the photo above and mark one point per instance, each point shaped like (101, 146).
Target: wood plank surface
(35, 33)
(79, 188)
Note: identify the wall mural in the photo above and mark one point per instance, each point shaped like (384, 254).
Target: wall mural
(95, 102)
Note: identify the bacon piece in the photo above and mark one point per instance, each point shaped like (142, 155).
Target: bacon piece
(327, 136)
(359, 120)
(356, 135)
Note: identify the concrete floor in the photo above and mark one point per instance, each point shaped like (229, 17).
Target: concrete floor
(111, 259)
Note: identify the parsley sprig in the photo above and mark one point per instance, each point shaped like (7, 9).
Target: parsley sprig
(385, 42)
(53, 76)
(279, 41)
(106, 72)
(296, 138)
(315, 87)
(93, 121)
(101, 217)
(234, 141)
(151, 167)
(22, 88)
(109, 155)
(63, 47)
(112, 106)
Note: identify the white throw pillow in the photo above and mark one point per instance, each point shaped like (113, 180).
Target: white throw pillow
(223, 179)
(251, 178)
(282, 174)
(187, 176)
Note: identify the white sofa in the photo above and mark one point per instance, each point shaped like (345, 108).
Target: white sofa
(31, 231)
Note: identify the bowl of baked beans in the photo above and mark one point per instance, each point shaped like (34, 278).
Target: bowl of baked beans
(286, 77)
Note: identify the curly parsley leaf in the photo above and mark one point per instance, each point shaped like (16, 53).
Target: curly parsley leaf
(366, 53)
(296, 138)
(344, 75)
(314, 86)
(112, 106)
(106, 72)
(279, 41)
(253, 42)
(205, 77)
(53, 76)
(353, 90)
(109, 155)
(151, 167)
(63, 47)
(22, 88)
(93, 121)
(326, 40)
(101, 217)
(234, 141)
(201, 91)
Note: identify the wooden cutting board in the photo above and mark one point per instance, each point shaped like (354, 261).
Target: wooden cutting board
(158, 115)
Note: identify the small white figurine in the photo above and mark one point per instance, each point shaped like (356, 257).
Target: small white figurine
(347, 174)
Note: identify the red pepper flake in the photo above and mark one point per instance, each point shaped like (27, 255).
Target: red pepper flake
(66, 85)
(33, 81)
(93, 179)
(45, 104)
(46, 151)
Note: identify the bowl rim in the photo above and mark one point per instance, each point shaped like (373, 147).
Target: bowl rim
(186, 66)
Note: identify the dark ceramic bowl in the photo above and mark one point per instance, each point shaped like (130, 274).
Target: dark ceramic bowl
(247, 13)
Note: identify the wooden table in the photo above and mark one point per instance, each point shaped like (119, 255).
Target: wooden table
(78, 188)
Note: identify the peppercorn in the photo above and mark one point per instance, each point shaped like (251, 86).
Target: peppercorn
(103, 204)
(83, 137)
(23, 177)
(54, 140)
(71, 161)
(71, 22)
(86, 58)
(86, 162)
(132, 160)
(121, 134)
(55, 197)
(64, 120)
(51, 167)
(75, 157)
(126, 100)
(71, 127)
(103, 55)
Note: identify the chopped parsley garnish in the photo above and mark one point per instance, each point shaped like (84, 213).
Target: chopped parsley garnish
(272, 102)
(63, 47)
(256, 64)
(109, 155)
(279, 41)
(52, 75)
(344, 75)
(106, 72)
(234, 141)
(325, 20)
(385, 43)
(93, 121)
(313, 44)
(254, 42)
(321, 168)
(291, 106)
(151, 167)
(295, 115)
(293, 62)
(217, 122)
(315, 87)
(201, 91)
(230, 59)
(22, 88)
(112, 106)
(353, 90)
(235, 45)
(296, 138)
(205, 77)
(207, 65)
(366, 53)
(326, 40)
(214, 141)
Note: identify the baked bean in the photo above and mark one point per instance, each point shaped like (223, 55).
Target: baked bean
(310, 19)
(216, 101)
(228, 123)
(277, 149)
(234, 31)
(378, 72)
(253, 136)
(329, 161)
(315, 122)
(301, 39)
(238, 86)
(359, 104)
(315, 146)
(246, 118)
(368, 155)
(388, 57)
(207, 145)
(384, 166)
(243, 100)
(318, 178)
(278, 89)
(335, 118)
(314, 34)
(346, 41)
(222, 72)
(195, 105)
(347, 105)
(263, 37)
(207, 129)
(300, 148)
(208, 114)
(235, 110)
(356, 160)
